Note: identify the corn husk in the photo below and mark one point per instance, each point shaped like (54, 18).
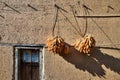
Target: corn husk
(57, 45)
(86, 44)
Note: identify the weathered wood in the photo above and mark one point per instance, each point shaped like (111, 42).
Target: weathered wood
(99, 16)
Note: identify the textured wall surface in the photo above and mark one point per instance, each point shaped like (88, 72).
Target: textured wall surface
(26, 25)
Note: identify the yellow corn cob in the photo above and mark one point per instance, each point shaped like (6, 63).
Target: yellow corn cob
(86, 45)
(57, 45)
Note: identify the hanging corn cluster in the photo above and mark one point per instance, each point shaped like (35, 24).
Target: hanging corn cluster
(57, 45)
(86, 45)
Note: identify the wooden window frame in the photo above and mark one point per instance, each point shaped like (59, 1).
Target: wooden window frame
(41, 59)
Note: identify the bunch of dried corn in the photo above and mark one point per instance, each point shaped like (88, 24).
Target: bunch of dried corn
(57, 45)
(86, 45)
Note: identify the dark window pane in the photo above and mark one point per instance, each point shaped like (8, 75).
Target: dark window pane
(26, 56)
(35, 57)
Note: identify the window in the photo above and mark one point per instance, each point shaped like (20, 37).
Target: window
(28, 63)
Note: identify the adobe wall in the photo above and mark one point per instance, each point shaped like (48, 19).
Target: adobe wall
(34, 27)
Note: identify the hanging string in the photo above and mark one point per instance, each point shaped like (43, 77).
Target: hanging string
(58, 28)
(56, 18)
(76, 20)
(86, 22)
(70, 22)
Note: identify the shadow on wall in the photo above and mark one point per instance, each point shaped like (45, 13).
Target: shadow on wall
(93, 63)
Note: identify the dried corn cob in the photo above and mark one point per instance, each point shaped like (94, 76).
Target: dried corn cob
(57, 45)
(86, 45)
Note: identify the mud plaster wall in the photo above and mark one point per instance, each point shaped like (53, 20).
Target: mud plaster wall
(34, 27)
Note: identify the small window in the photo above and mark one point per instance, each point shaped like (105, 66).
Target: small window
(30, 56)
(28, 63)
